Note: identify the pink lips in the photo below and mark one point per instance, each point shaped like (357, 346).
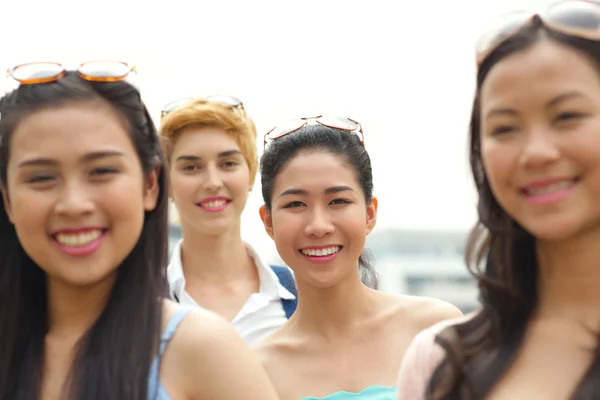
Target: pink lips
(549, 191)
(321, 259)
(214, 204)
(92, 239)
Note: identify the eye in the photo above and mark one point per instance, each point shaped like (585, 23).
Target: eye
(294, 204)
(104, 171)
(340, 201)
(230, 164)
(191, 168)
(567, 116)
(40, 178)
(499, 130)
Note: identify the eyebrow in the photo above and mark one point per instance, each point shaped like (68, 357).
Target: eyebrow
(330, 190)
(86, 158)
(222, 154)
(551, 103)
(563, 97)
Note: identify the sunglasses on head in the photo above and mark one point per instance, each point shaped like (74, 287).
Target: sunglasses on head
(341, 123)
(578, 18)
(94, 71)
(229, 101)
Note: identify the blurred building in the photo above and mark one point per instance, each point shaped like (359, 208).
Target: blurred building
(424, 263)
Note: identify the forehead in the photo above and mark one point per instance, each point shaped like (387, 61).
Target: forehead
(204, 140)
(315, 171)
(539, 73)
(69, 131)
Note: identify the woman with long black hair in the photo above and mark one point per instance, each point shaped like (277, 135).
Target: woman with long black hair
(83, 233)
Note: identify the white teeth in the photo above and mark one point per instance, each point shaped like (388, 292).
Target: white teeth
(550, 188)
(78, 240)
(214, 204)
(327, 251)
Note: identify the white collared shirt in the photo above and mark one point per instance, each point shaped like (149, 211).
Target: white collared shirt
(261, 314)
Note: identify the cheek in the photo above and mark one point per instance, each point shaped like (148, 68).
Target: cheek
(286, 228)
(499, 163)
(30, 212)
(239, 182)
(183, 185)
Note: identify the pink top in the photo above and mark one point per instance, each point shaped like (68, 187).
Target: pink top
(421, 359)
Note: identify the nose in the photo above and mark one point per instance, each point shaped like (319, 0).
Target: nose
(319, 224)
(74, 200)
(213, 181)
(539, 149)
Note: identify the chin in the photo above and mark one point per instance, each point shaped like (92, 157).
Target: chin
(555, 231)
(321, 279)
(84, 279)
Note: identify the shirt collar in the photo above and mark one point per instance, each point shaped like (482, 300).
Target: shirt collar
(269, 284)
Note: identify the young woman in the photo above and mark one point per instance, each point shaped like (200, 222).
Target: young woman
(535, 157)
(83, 227)
(211, 146)
(345, 340)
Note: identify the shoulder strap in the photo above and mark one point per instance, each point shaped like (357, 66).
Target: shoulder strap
(287, 281)
(172, 325)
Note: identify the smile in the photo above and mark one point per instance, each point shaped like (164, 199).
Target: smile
(550, 189)
(78, 239)
(320, 252)
(214, 204)
(83, 242)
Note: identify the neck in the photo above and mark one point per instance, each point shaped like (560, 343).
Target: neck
(72, 310)
(336, 310)
(214, 259)
(569, 276)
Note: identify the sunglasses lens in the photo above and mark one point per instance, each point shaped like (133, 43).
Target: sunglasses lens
(227, 100)
(174, 105)
(286, 128)
(575, 15)
(105, 69)
(342, 123)
(37, 72)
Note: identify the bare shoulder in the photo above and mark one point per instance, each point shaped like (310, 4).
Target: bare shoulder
(212, 359)
(280, 354)
(422, 312)
(276, 348)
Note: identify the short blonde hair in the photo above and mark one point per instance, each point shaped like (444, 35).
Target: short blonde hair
(202, 113)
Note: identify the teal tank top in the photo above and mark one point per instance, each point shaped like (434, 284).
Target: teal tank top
(370, 393)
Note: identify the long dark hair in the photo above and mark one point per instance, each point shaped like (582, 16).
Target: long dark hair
(113, 358)
(338, 142)
(501, 255)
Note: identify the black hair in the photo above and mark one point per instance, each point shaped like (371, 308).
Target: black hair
(114, 356)
(341, 143)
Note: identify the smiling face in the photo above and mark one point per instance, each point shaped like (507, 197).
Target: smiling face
(540, 139)
(76, 193)
(210, 180)
(319, 219)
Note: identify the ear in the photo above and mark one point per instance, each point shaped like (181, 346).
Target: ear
(152, 189)
(7, 206)
(267, 220)
(371, 215)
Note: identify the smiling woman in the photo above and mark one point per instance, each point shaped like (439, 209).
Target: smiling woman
(535, 159)
(83, 233)
(211, 145)
(319, 208)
